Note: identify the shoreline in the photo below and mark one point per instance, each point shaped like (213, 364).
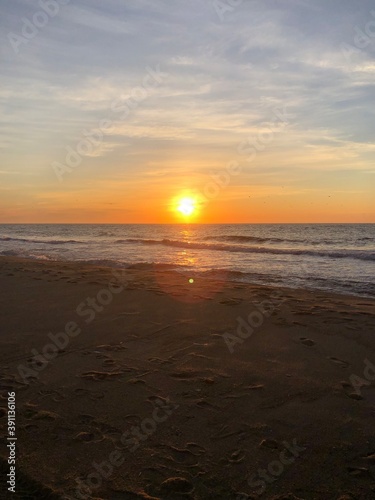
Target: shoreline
(167, 389)
(147, 267)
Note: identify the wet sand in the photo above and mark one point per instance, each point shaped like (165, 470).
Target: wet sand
(152, 386)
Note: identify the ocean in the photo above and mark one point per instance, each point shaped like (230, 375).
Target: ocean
(331, 257)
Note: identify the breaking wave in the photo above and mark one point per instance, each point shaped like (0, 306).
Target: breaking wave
(47, 242)
(337, 254)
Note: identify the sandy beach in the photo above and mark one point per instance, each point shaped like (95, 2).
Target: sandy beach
(150, 384)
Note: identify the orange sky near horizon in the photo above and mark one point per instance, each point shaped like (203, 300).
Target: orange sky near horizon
(230, 205)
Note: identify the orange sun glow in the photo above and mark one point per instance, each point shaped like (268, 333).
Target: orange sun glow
(186, 206)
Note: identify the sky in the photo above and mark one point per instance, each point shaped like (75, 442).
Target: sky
(257, 110)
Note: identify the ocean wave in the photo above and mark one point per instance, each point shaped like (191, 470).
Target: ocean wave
(10, 253)
(106, 233)
(248, 239)
(103, 262)
(129, 265)
(366, 239)
(24, 255)
(47, 242)
(336, 254)
(257, 239)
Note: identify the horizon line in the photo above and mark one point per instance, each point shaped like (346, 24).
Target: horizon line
(169, 223)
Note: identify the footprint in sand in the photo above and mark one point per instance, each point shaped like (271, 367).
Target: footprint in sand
(46, 415)
(155, 400)
(30, 427)
(225, 432)
(370, 457)
(196, 449)
(129, 313)
(243, 496)
(177, 486)
(307, 342)
(247, 391)
(32, 412)
(204, 404)
(109, 362)
(93, 375)
(237, 457)
(95, 430)
(158, 360)
(358, 471)
(280, 321)
(185, 375)
(54, 395)
(9, 383)
(181, 456)
(348, 388)
(109, 431)
(85, 436)
(124, 493)
(93, 395)
(85, 419)
(136, 381)
(340, 362)
(88, 436)
(355, 395)
(270, 443)
(132, 419)
(231, 302)
(347, 497)
(114, 347)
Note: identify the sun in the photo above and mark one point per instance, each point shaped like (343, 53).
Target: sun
(186, 206)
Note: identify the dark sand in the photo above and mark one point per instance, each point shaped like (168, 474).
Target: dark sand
(153, 363)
